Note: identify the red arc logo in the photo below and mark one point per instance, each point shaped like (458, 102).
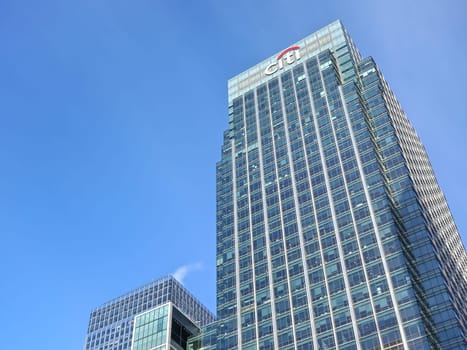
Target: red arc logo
(288, 56)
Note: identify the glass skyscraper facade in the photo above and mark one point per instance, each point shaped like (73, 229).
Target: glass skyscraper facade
(332, 231)
(159, 315)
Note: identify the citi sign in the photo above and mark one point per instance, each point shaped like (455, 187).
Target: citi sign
(286, 57)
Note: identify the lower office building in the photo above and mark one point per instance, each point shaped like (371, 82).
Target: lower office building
(332, 231)
(160, 315)
(163, 328)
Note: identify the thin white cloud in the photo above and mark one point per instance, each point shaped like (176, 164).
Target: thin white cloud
(181, 273)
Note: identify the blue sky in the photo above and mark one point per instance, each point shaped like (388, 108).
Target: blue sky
(112, 114)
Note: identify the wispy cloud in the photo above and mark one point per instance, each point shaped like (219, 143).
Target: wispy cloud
(181, 273)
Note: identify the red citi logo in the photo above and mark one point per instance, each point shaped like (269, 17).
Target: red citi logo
(288, 56)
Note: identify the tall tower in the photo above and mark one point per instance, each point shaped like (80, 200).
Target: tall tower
(332, 231)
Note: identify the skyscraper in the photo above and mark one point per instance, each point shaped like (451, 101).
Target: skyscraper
(159, 315)
(332, 231)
